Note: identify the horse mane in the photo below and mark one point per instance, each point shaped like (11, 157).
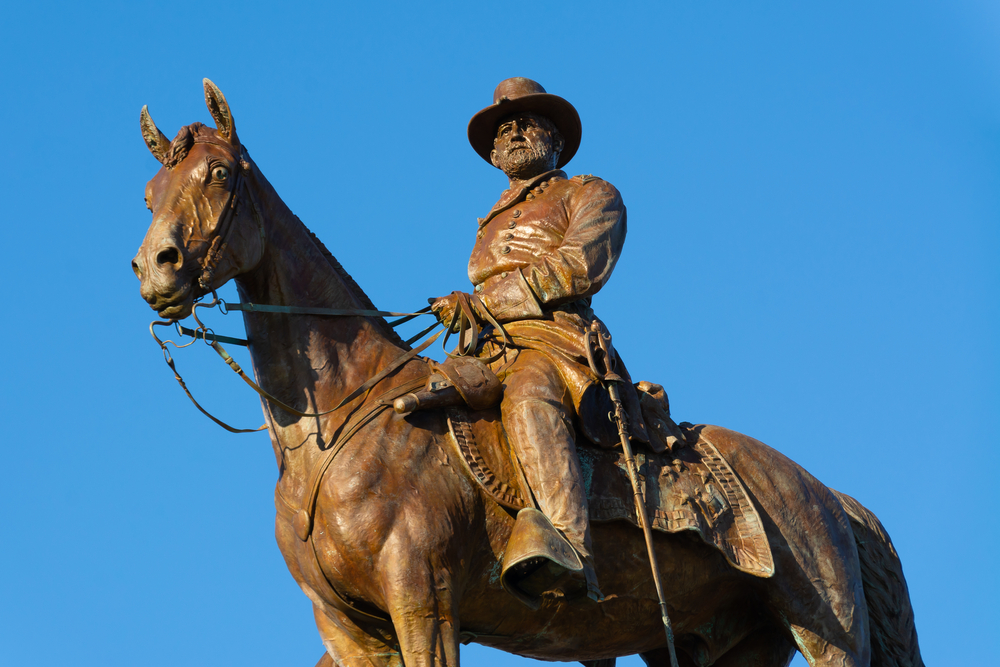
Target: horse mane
(187, 137)
(182, 143)
(355, 289)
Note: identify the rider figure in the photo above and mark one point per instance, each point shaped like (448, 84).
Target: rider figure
(548, 245)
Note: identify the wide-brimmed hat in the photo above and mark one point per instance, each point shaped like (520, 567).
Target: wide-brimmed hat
(519, 94)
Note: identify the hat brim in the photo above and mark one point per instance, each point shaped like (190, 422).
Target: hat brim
(483, 126)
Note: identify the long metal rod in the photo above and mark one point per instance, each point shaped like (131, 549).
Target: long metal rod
(640, 510)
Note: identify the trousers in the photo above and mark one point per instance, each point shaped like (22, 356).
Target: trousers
(537, 414)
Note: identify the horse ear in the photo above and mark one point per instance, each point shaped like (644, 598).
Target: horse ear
(219, 109)
(158, 143)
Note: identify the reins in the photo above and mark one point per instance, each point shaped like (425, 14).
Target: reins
(215, 342)
(464, 322)
(469, 308)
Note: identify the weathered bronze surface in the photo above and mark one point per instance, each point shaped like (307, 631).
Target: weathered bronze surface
(380, 522)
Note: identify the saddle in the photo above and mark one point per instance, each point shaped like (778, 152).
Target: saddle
(686, 483)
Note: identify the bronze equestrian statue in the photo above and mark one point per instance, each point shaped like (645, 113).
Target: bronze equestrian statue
(396, 543)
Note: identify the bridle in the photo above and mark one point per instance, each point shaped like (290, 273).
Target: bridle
(469, 308)
(221, 230)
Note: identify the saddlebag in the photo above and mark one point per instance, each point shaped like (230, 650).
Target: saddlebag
(456, 381)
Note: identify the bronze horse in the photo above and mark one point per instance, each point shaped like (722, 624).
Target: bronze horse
(403, 549)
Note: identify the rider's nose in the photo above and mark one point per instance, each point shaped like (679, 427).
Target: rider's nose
(137, 267)
(169, 255)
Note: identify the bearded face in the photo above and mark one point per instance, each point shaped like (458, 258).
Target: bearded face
(526, 145)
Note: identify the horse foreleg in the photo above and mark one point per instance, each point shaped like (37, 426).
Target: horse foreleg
(348, 645)
(422, 605)
(819, 651)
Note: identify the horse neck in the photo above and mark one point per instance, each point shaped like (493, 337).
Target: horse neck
(309, 362)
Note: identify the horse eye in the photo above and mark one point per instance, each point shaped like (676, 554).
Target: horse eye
(220, 173)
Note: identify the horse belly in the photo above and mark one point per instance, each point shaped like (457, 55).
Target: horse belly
(699, 586)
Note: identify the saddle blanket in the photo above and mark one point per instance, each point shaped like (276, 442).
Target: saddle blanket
(691, 488)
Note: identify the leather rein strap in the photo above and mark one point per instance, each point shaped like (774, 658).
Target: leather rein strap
(209, 337)
(371, 382)
(248, 307)
(469, 309)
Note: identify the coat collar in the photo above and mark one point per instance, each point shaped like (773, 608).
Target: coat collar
(513, 196)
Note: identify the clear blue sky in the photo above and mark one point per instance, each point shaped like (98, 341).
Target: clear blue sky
(813, 196)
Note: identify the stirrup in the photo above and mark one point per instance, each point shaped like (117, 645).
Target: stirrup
(537, 556)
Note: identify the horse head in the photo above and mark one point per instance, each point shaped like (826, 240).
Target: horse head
(207, 227)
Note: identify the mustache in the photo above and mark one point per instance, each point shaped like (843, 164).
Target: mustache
(525, 151)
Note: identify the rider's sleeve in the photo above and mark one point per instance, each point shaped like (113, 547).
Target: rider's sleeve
(577, 268)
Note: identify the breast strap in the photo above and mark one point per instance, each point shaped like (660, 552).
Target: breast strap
(302, 518)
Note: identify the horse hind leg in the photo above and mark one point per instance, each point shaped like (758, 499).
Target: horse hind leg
(767, 647)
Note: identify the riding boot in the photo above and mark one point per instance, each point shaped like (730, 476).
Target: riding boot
(543, 438)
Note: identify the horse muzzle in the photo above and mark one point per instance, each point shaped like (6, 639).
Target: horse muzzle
(163, 281)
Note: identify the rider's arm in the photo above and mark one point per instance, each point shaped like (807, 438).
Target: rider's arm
(577, 268)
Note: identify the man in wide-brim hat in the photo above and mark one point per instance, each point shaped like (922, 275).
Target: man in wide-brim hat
(541, 253)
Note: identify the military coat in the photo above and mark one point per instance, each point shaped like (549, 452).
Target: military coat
(540, 255)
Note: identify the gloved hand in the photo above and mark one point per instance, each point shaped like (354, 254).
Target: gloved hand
(444, 308)
(472, 315)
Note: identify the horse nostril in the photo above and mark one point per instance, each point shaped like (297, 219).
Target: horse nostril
(136, 269)
(168, 256)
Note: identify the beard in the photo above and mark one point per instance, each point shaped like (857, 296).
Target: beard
(527, 160)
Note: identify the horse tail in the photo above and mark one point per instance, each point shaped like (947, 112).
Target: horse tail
(890, 616)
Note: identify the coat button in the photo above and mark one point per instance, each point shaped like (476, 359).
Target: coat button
(530, 196)
(503, 275)
(512, 224)
(479, 287)
(509, 236)
(506, 249)
(516, 213)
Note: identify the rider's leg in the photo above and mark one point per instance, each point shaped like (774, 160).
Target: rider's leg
(537, 415)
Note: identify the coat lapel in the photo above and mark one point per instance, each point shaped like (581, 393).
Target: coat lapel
(512, 197)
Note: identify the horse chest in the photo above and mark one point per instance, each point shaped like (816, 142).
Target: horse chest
(303, 560)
